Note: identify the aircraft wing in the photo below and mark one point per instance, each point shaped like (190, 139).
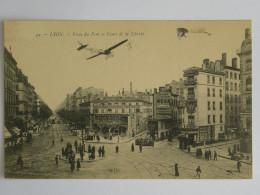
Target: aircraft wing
(115, 46)
(92, 50)
(94, 56)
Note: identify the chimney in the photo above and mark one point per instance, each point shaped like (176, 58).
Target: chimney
(206, 61)
(234, 62)
(155, 90)
(247, 33)
(131, 89)
(224, 59)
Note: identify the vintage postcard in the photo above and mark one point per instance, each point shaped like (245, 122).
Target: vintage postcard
(128, 99)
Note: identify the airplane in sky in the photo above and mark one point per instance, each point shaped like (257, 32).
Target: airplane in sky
(82, 46)
(107, 52)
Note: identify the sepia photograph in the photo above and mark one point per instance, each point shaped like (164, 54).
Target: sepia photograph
(128, 99)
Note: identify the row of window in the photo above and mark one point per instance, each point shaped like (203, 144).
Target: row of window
(10, 98)
(133, 110)
(118, 103)
(231, 86)
(9, 84)
(214, 119)
(9, 72)
(214, 106)
(230, 76)
(213, 92)
(213, 80)
(232, 98)
(232, 110)
(11, 111)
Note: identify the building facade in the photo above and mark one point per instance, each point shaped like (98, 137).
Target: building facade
(122, 115)
(166, 120)
(245, 55)
(10, 101)
(205, 102)
(232, 100)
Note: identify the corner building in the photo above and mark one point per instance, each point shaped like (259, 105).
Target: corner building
(205, 98)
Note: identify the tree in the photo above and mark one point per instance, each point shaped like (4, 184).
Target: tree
(45, 112)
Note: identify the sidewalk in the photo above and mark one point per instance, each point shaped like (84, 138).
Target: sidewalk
(221, 149)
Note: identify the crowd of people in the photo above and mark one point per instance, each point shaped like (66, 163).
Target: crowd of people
(207, 154)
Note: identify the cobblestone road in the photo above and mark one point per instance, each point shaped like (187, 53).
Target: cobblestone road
(152, 163)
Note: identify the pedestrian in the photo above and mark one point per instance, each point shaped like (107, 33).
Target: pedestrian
(99, 151)
(189, 149)
(93, 149)
(89, 148)
(238, 166)
(215, 156)
(62, 151)
(229, 151)
(20, 160)
(206, 154)
(61, 139)
(198, 170)
(132, 147)
(53, 142)
(197, 153)
(76, 146)
(200, 151)
(117, 149)
(81, 155)
(57, 160)
(209, 154)
(103, 151)
(78, 165)
(176, 170)
(118, 139)
(140, 148)
(72, 166)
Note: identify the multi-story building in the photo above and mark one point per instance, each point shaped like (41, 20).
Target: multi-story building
(22, 90)
(245, 55)
(82, 95)
(205, 103)
(166, 120)
(122, 115)
(232, 100)
(10, 68)
(177, 88)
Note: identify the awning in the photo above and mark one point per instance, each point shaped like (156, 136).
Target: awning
(7, 134)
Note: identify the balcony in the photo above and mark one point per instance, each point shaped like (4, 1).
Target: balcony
(190, 125)
(190, 82)
(190, 95)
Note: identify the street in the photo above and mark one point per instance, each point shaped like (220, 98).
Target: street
(153, 163)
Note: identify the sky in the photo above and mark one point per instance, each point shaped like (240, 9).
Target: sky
(153, 55)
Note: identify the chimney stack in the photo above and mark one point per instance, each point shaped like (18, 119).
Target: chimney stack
(131, 89)
(247, 33)
(206, 61)
(234, 62)
(224, 59)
